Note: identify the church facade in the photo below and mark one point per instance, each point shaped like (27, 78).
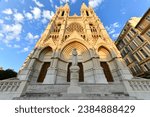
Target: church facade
(102, 72)
(98, 58)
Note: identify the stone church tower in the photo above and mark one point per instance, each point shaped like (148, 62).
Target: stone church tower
(47, 68)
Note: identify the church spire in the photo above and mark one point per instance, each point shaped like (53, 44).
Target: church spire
(84, 6)
(66, 5)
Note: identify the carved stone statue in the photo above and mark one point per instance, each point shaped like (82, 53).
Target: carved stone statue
(74, 76)
(74, 57)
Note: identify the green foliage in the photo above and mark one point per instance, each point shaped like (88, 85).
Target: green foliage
(8, 73)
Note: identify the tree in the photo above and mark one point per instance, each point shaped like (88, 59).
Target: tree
(8, 73)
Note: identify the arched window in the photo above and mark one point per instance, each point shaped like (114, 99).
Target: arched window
(87, 13)
(63, 13)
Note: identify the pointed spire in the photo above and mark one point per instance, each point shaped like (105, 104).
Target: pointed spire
(66, 5)
(84, 6)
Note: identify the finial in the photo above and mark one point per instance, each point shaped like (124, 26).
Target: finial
(84, 5)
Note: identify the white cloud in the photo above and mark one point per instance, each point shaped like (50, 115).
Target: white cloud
(1, 35)
(73, 1)
(112, 29)
(7, 11)
(52, 4)
(18, 17)
(44, 21)
(11, 32)
(48, 14)
(56, 7)
(38, 3)
(31, 38)
(95, 3)
(115, 36)
(26, 49)
(16, 46)
(28, 16)
(116, 25)
(65, 1)
(123, 11)
(7, 18)
(1, 21)
(36, 12)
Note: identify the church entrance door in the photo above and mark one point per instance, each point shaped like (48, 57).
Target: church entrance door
(107, 72)
(43, 72)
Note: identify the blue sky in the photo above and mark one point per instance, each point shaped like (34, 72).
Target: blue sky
(23, 21)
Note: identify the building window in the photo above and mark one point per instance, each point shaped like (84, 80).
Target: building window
(146, 67)
(138, 56)
(133, 46)
(148, 18)
(137, 68)
(123, 53)
(127, 61)
(129, 36)
(144, 53)
(148, 46)
(125, 41)
(141, 27)
(148, 33)
(133, 71)
(140, 39)
(133, 31)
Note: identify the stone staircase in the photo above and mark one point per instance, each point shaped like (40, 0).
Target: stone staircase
(89, 92)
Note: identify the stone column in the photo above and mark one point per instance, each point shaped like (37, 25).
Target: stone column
(50, 77)
(98, 70)
(122, 69)
(25, 73)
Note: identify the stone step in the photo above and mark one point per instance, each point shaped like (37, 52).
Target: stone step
(65, 96)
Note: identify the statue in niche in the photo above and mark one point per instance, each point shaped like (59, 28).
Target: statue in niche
(74, 57)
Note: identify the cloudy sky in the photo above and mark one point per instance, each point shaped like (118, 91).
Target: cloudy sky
(23, 21)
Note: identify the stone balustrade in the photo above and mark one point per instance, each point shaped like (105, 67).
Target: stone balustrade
(139, 85)
(139, 88)
(9, 85)
(10, 89)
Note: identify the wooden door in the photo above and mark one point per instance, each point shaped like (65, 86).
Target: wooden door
(107, 72)
(43, 72)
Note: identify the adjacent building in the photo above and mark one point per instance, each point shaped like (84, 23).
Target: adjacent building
(134, 45)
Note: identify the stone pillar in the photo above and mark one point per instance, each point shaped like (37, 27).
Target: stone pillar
(25, 73)
(122, 69)
(98, 70)
(50, 77)
(74, 86)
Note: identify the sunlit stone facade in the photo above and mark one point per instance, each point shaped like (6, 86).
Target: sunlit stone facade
(46, 73)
